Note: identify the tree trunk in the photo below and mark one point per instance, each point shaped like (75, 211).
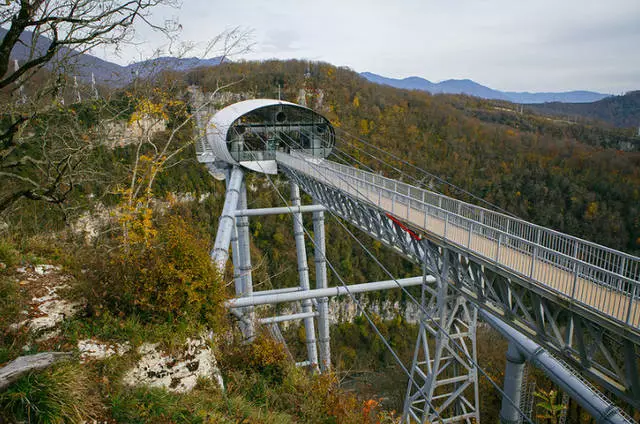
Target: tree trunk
(25, 364)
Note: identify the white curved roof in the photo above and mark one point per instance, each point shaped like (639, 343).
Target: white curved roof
(223, 119)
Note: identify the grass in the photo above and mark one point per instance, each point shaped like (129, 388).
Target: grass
(11, 304)
(8, 255)
(205, 404)
(133, 329)
(60, 394)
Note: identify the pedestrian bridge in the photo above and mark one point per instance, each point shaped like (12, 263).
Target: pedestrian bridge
(570, 306)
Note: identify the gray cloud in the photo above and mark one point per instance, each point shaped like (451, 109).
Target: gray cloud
(280, 41)
(545, 45)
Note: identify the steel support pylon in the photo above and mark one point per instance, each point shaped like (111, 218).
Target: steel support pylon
(320, 259)
(242, 264)
(443, 386)
(303, 272)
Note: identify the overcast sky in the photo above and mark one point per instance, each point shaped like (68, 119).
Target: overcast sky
(511, 45)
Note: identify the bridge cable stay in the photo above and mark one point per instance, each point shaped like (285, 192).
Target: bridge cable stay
(409, 176)
(421, 170)
(417, 168)
(358, 303)
(412, 297)
(420, 183)
(516, 407)
(340, 154)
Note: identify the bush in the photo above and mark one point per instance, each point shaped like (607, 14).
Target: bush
(8, 255)
(166, 276)
(265, 356)
(262, 373)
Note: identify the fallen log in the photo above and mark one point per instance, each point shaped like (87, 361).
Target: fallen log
(25, 364)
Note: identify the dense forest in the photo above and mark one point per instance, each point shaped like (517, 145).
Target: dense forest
(556, 175)
(145, 274)
(620, 111)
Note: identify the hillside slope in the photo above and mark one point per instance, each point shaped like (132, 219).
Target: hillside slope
(620, 111)
(551, 173)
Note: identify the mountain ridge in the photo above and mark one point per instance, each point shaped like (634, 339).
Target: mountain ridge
(472, 88)
(620, 111)
(84, 65)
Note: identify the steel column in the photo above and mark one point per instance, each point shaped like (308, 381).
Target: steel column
(321, 283)
(598, 406)
(244, 260)
(220, 251)
(303, 272)
(513, 374)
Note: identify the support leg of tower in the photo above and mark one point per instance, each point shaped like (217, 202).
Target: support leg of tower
(226, 225)
(237, 280)
(244, 261)
(303, 272)
(444, 381)
(321, 283)
(513, 374)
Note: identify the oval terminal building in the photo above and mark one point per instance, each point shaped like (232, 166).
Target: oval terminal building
(251, 132)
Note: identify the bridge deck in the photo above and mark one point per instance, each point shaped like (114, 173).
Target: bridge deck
(602, 280)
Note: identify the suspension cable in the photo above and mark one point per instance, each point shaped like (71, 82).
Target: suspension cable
(442, 180)
(400, 171)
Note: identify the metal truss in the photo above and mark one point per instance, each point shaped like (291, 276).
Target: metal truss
(598, 348)
(447, 378)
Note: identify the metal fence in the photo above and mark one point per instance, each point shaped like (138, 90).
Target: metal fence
(595, 276)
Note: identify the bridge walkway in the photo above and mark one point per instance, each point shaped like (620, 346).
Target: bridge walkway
(599, 279)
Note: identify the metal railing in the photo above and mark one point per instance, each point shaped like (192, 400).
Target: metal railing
(597, 277)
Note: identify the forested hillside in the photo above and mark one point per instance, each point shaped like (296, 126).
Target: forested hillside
(620, 111)
(550, 173)
(130, 225)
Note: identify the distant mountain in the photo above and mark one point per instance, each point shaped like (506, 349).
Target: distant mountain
(109, 73)
(472, 88)
(620, 111)
(80, 65)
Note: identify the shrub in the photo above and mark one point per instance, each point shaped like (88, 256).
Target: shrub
(262, 373)
(265, 356)
(8, 255)
(166, 275)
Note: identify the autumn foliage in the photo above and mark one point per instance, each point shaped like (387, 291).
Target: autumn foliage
(162, 271)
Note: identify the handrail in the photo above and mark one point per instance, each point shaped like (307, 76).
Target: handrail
(616, 271)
